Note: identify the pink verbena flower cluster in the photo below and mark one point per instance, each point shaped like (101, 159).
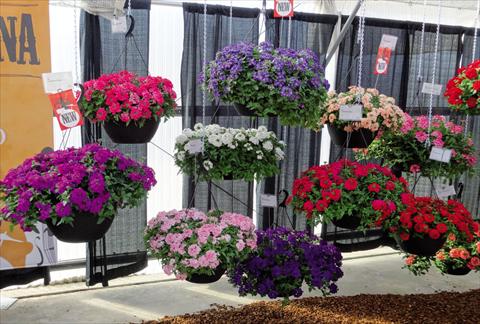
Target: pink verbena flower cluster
(190, 242)
(443, 134)
(126, 97)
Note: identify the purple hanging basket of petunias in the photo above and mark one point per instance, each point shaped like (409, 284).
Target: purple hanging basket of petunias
(76, 191)
(265, 81)
(284, 261)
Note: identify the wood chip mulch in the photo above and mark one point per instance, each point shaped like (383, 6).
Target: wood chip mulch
(443, 307)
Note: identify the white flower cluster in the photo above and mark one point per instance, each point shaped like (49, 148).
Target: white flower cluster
(259, 140)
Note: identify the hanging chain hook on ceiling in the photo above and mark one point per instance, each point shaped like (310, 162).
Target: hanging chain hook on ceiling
(132, 20)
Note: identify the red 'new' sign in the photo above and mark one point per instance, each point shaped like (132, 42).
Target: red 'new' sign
(283, 8)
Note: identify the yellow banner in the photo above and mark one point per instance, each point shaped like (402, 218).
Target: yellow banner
(25, 112)
(25, 116)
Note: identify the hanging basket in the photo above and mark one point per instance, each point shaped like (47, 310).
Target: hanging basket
(421, 246)
(84, 228)
(456, 272)
(243, 110)
(228, 177)
(358, 139)
(348, 222)
(120, 133)
(204, 279)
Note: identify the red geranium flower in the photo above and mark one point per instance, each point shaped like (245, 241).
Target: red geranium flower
(351, 184)
(374, 187)
(434, 234)
(404, 236)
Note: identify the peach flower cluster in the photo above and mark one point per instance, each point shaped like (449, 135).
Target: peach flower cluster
(379, 111)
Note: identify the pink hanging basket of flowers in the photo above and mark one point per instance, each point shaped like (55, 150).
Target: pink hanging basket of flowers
(129, 106)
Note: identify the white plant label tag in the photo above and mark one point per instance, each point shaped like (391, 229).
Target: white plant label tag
(194, 146)
(388, 41)
(440, 154)
(119, 25)
(432, 88)
(351, 112)
(268, 200)
(55, 82)
(445, 191)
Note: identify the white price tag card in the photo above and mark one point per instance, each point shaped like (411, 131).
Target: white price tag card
(388, 41)
(432, 88)
(194, 146)
(268, 200)
(351, 112)
(445, 191)
(56, 82)
(119, 25)
(440, 154)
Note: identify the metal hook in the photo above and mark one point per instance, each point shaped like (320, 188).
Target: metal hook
(132, 26)
(82, 91)
(282, 203)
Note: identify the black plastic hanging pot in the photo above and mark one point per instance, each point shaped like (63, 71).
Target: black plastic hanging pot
(358, 139)
(243, 110)
(397, 170)
(425, 246)
(457, 271)
(348, 222)
(120, 133)
(205, 279)
(84, 228)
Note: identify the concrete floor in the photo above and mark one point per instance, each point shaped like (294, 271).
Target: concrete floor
(150, 296)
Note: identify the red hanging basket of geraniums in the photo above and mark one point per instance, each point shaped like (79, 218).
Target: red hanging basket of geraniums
(463, 91)
(349, 194)
(422, 226)
(129, 106)
(461, 252)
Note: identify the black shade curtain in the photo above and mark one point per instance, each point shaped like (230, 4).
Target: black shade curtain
(226, 195)
(122, 251)
(303, 145)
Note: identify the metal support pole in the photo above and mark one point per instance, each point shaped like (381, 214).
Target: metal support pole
(340, 38)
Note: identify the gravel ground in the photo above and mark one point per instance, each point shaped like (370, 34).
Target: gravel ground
(443, 307)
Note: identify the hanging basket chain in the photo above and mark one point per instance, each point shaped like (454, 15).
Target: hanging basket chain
(361, 28)
(230, 23)
(434, 70)
(289, 31)
(204, 97)
(75, 42)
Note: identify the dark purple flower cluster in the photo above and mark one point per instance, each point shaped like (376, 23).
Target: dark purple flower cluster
(283, 261)
(57, 184)
(287, 82)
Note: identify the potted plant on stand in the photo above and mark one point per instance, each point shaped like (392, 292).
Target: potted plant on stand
(76, 192)
(261, 80)
(214, 153)
(423, 223)
(199, 247)
(285, 260)
(379, 114)
(129, 106)
(461, 252)
(349, 194)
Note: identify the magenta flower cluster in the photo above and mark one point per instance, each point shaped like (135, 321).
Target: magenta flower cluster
(126, 97)
(283, 261)
(56, 185)
(190, 242)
